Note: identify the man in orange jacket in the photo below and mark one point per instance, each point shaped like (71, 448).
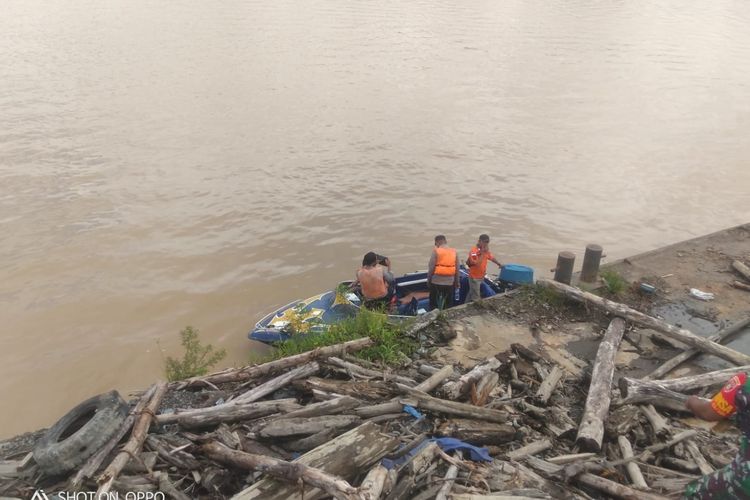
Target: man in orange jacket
(477, 262)
(442, 274)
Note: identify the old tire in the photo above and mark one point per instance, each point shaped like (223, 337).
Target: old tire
(80, 433)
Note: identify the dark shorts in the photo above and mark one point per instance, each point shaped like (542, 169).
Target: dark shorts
(381, 304)
(441, 296)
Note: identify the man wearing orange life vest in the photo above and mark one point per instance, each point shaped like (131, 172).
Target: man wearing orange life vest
(477, 262)
(442, 274)
(374, 280)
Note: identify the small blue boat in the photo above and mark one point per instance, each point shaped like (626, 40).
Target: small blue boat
(316, 314)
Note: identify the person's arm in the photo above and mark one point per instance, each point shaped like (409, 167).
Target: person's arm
(491, 258)
(431, 266)
(723, 404)
(457, 276)
(701, 408)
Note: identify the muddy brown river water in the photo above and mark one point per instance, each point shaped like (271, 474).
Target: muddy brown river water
(178, 163)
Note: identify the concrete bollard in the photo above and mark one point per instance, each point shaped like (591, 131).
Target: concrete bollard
(564, 269)
(591, 260)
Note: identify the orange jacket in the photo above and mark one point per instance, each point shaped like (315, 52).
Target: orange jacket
(445, 263)
(477, 263)
(372, 281)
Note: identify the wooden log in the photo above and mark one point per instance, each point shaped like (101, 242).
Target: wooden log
(670, 331)
(226, 412)
(331, 407)
(277, 383)
(134, 444)
(477, 432)
(559, 423)
(379, 409)
(355, 369)
(307, 443)
(92, 464)
(462, 387)
(720, 337)
(636, 476)
(346, 456)
(658, 423)
(591, 430)
(169, 489)
(530, 449)
(591, 259)
(574, 457)
(367, 390)
(435, 379)
(636, 390)
(485, 386)
(235, 413)
(374, 482)
(288, 471)
(549, 384)
(177, 458)
(306, 425)
(592, 481)
(741, 286)
(742, 269)
(564, 267)
(698, 457)
(256, 371)
(678, 463)
(427, 402)
(448, 480)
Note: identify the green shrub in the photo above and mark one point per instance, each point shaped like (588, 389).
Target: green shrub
(197, 358)
(613, 281)
(390, 345)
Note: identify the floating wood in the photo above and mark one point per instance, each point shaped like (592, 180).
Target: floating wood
(741, 286)
(549, 384)
(591, 430)
(345, 456)
(134, 444)
(256, 371)
(720, 337)
(673, 332)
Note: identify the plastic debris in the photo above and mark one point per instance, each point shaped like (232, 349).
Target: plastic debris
(698, 294)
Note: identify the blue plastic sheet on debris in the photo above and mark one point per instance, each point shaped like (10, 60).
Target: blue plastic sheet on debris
(447, 444)
(413, 412)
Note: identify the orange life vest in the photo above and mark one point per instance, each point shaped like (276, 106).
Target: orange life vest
(445, 262)
(372, 282)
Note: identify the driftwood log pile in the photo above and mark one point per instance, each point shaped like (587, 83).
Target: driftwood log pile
(325, 424)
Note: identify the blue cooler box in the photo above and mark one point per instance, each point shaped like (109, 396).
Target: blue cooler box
(513, 275)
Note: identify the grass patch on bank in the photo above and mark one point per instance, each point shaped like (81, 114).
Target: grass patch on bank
(613, 282)
(391, 345)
